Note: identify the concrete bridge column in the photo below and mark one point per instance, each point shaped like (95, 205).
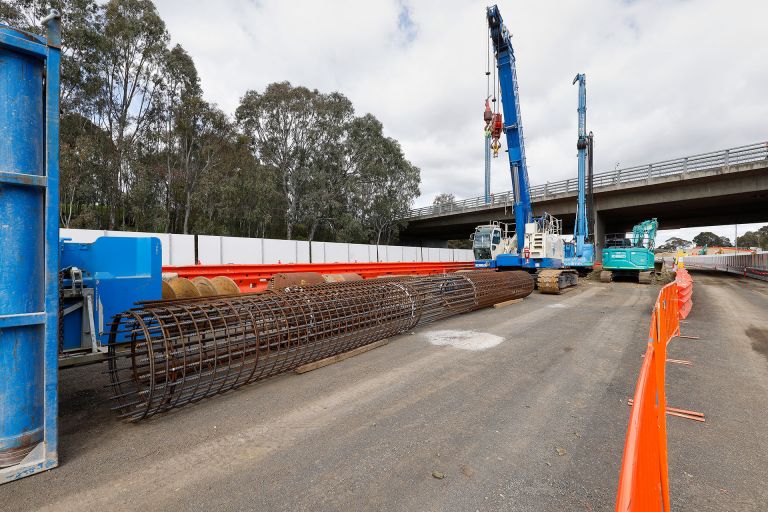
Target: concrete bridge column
(599, 236)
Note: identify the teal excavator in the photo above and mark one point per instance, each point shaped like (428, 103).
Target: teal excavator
(631, 257)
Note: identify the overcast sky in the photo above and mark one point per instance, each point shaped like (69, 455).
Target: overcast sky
(665, 79)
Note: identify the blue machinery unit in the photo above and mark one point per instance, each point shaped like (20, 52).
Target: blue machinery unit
(100, 280)
(579, 252)
(29, 232)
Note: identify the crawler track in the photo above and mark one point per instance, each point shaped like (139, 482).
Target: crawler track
(554, 281)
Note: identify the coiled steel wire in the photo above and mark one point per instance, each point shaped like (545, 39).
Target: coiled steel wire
(168, 354)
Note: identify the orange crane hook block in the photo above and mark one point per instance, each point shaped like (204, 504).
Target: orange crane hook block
(493, 127)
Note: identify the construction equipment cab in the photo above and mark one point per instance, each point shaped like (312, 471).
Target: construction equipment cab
(490, 240)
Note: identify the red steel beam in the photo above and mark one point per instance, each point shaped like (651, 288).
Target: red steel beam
(252, 278)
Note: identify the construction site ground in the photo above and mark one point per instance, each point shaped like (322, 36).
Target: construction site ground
(517, 408)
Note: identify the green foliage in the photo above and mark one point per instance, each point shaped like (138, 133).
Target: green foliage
(444, 199)
(711, 240)
(142, 150)
(674, 244)
(757, 238)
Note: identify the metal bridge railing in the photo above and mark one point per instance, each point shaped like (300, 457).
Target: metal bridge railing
(732, 156)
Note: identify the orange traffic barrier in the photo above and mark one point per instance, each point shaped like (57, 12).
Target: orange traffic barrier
(254, 278)
(684, 292)
(644, 476)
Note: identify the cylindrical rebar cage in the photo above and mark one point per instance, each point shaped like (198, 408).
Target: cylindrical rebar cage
(182, 351)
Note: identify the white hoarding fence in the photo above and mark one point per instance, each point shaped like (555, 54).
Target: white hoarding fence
(224, 250)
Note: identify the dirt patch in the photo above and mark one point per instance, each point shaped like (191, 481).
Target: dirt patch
(759, 337)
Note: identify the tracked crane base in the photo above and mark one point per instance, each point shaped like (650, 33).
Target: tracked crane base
(556, 281)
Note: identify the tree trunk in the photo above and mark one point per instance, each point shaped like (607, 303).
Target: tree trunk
(187, 210)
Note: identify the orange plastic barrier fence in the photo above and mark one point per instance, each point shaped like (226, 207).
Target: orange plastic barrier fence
(644, 476)
(252, 278)
(684, 292)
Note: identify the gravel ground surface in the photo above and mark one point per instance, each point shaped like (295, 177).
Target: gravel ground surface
(519, 408)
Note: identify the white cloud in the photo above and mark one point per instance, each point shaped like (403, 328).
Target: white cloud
(664, 79)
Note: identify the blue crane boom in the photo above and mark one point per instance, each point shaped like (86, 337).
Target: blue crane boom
(580, 253)
(513, 128)
(538, 245)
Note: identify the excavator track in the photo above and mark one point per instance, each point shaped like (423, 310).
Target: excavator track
(606, 276)
(555, 281)
(645, 277)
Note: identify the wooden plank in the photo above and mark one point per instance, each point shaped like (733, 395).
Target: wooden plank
(507, 303)
(339, 357)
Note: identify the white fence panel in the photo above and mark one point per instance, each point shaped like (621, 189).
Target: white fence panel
(182, 249)
(337, 253)
(82, 236)
(361, 253)
(209, 249)
(394, 253)
(431, 253)
(241, 250)
(445, 255)
(463, 255)
(285, 251)
(317, 252)
(411, 254)
(302, 252)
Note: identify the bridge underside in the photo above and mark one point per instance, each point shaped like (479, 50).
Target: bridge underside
(724, 195)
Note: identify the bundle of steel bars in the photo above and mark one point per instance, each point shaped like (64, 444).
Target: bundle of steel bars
(168, 354)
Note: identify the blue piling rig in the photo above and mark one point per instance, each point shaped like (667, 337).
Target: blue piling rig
(580, 253)
(29, 232)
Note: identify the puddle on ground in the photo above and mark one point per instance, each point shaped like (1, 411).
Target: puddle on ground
(464, 340)
(759, 337)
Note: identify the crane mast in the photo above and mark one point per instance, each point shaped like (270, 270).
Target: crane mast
(513, 128)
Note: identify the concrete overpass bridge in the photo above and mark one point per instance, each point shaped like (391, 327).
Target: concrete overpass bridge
(722, 187)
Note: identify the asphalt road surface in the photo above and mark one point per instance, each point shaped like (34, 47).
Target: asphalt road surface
(520, 408)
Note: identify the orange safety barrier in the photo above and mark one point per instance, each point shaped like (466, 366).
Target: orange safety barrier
(644, 476)
(684, 292)
(253, 278)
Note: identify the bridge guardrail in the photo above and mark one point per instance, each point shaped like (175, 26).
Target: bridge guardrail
(731, 156)
(754, 265)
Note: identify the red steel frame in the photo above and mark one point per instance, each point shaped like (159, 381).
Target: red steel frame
(254, 278)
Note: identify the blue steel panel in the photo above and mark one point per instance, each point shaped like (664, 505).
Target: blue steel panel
(28, 260)
(122, 271)
(50, 458)
(509, 261)
(542, 263)
(22, 259)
